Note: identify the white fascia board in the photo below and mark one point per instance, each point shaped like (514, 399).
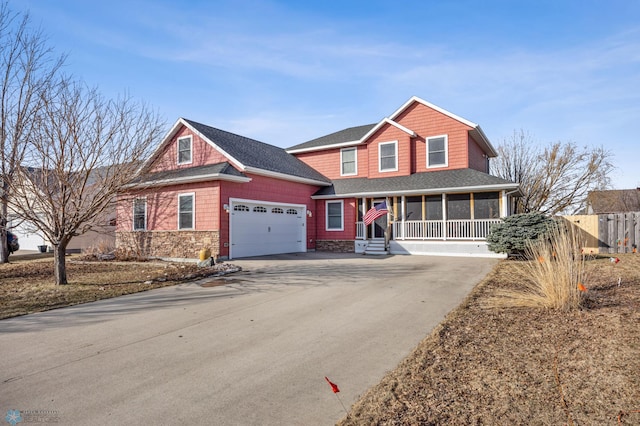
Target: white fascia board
(400, 126)
(432, 106)
(382, 123)
(161, 145)
(471, 124)
(354, 143)
(492, 151)
(235, 162)
(182, 122)
(189, 179)
(323, 147)
(453, 190)
(283, 176)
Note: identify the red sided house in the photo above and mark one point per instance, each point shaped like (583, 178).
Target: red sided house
(207, 188)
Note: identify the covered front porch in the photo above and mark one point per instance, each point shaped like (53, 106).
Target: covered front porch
(470, 230)
(447, 212)
(426, 223)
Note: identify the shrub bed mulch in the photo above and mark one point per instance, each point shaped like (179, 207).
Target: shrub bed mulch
(28, 286)
(490, 366)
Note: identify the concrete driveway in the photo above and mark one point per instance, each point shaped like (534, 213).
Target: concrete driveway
(250, 350)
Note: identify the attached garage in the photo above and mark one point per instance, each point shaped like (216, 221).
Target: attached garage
(259, 228)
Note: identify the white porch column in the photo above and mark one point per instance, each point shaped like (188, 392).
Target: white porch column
(402, 214)
(364, 211)
(504, 207)
(444, 216)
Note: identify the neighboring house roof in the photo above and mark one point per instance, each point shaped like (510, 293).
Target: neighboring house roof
(359, 134)
(248, 155)
(219, 171)
(459, 180)
(613, 201)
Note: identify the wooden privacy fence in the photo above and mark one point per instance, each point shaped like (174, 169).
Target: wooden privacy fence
(609, 233)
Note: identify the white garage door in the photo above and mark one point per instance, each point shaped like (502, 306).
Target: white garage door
(28, 236)
(260, 228)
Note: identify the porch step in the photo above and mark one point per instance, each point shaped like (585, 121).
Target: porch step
(376, 248)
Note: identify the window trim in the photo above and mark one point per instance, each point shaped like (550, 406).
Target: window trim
(446, 151)
(395, 146)
(190, 137)
(193, 211)
(326, 215)
(144, 228)
(355, 161)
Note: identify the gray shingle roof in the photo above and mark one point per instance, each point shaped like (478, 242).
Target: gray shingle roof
(191, 172)
(614, 201)
(416, 183)
(260, 155)
(347, 135)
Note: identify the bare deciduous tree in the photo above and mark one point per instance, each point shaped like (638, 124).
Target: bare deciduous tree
(85, 149)
(27, 70)
(554, 178)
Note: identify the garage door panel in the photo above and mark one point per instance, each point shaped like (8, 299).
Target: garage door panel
(258, 229)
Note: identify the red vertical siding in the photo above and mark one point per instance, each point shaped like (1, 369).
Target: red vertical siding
(268, 189)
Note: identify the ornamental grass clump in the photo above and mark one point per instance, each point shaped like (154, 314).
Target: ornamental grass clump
(554, 277)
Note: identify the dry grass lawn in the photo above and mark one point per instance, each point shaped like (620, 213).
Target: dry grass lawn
(513, 366)
(27, 284)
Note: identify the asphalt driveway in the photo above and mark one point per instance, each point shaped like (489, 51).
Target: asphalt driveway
(252, 349)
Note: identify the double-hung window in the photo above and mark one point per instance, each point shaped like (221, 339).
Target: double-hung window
(437, 155)
(348, 162)
(185, 146)
(388, 156)
(140, 214)
(334, 220)
(186, 211)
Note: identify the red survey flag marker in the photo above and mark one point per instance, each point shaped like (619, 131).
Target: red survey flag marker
(334, 387)
(335, 390)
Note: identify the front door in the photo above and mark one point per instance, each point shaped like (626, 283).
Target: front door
(380, 224)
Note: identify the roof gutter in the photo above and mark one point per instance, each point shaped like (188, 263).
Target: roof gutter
(189, 179)
(455, 190)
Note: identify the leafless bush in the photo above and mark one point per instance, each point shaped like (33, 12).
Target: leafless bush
(555, 277)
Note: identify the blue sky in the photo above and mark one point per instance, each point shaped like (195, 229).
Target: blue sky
(285, 72)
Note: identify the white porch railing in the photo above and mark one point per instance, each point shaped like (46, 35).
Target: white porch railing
(360, 228)
(435, 229)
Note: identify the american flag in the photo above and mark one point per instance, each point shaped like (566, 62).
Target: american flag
(375, 212)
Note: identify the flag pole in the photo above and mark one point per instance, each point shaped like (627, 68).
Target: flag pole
(343, 407)
(335, 390)
(387, 236)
